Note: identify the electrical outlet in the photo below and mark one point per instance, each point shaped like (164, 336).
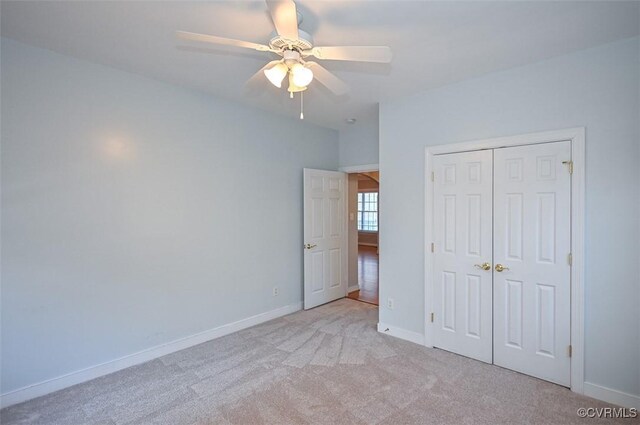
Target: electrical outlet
(390, 303)
(275, 291)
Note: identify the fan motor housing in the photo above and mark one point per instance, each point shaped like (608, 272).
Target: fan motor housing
(304, 42)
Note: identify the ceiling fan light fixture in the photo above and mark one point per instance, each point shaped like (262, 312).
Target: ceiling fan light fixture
(294, 46)
(302, 76)
(276, 74)
(293, 87)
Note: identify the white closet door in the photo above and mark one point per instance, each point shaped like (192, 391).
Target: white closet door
(462, 292)
(532, 303)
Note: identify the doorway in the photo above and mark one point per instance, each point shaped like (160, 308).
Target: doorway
(504, 252)
(364, 190)
(340, 235)
(367, 276)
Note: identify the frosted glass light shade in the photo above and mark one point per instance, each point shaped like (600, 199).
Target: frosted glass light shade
(293, 87)
(276, 74)
(301, 76)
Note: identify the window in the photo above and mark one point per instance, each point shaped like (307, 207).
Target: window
(368, 211)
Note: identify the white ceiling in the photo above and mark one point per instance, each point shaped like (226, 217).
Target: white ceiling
(434, 43)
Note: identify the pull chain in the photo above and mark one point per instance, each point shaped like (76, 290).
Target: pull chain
(301, 105)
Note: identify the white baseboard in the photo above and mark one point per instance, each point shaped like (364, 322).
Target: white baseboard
(77, 377)
(353, 288)
(611, 396)
(411, 336)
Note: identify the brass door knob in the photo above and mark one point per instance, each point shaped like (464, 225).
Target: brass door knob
(483, 266)
(309, 246)
(500, 268)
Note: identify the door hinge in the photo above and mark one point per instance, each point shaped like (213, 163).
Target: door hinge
(432, 317)
(570, 259)
(433, 247)
(569, 351)
(570, 165)
(433, 176)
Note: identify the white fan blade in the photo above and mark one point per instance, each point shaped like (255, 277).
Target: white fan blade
(381, 54)
(327, 79)
(258, 78)
(285, 18)
(192, 36)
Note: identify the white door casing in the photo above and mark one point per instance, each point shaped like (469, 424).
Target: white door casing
(511, 208)
(325, 237)
(577, 137)
(532, 237)
(463, 245)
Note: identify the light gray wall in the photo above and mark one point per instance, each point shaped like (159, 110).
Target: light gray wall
(596, 88)
(132, 215)
(359, 142)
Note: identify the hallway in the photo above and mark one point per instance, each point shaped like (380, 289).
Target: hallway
(367, 275)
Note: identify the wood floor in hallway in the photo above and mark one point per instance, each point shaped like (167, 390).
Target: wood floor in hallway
(367, 275)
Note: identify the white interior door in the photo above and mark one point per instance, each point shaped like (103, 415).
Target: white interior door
(325, 239)
(462, 253)
(532, 240)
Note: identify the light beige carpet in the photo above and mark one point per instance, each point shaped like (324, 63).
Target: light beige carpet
(328, 365)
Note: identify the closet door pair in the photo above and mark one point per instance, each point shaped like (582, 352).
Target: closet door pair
(502, 226)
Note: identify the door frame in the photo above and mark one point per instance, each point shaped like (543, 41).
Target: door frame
(577, 137)
(352, 169)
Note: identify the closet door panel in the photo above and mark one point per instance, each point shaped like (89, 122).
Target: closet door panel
(462, 225)
(532, 240)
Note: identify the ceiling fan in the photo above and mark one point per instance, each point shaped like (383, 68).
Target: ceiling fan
(294, 45)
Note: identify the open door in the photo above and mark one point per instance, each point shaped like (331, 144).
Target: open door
(325, 237)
